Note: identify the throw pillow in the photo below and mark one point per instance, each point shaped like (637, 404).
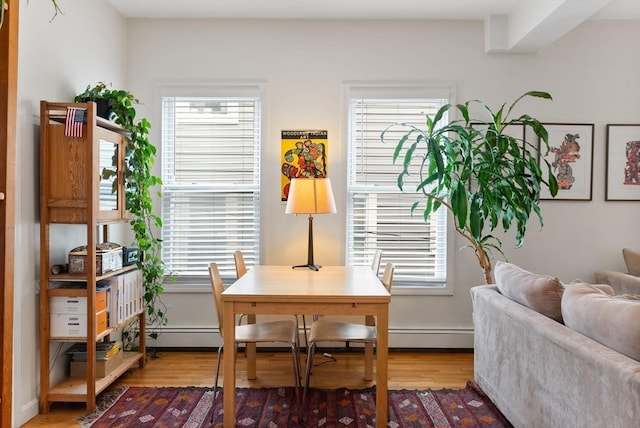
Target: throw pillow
(627, 297)
(610, 320)
(542, 293)
(603, 287)
(632, 260)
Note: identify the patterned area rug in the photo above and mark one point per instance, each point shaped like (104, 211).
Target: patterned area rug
(275, 407)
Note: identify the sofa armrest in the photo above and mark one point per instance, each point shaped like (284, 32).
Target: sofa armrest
(622, 283)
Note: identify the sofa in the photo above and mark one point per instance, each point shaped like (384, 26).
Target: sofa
(537, 370)
(623, 282)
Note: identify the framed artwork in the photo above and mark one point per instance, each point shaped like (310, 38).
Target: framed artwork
(623, 163)
(571, 158)
(304, 155)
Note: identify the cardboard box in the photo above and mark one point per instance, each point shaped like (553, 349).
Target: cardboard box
(103, 368)
(77, 305)
(75, 325)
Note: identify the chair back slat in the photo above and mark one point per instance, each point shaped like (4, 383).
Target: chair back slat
(375, 263)
(217, 286)
(241, 267)
(387, 276)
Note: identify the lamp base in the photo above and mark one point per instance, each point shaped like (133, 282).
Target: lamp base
(310, 266)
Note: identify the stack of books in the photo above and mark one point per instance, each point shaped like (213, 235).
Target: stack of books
(104, 351)
(108, 356)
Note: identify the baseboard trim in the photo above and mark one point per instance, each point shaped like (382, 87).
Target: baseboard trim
(209, 338)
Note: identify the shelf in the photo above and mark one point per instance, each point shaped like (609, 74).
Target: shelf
(70, 194)
(58, 114)
(75, 389)
(100, 336)
(68, 292)
(82, 277)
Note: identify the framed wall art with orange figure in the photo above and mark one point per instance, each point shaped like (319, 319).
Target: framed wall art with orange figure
(623, 163)
(304, 155)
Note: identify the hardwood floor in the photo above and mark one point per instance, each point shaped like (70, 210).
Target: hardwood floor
(411, 370)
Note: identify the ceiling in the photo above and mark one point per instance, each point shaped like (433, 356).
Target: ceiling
(510, 25)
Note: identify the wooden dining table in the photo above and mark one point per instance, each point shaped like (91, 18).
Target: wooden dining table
(332, 290)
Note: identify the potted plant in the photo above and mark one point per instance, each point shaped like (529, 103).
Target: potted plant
(107, 100)
(139, 182)
(472, 167)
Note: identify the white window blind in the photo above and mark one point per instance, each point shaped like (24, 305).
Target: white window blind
(378, 213)
(211, 183)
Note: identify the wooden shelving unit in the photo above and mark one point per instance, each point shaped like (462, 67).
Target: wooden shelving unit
(71, 181)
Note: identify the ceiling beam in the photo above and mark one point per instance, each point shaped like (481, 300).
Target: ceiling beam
(536, 25)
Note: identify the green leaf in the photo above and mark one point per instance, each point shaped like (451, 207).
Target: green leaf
(459, 204)
(438, 117)
(414, 206)
(476, 217)
(400, 145)
(428, 209)
(553, 183)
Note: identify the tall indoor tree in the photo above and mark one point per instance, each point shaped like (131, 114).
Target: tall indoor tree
(476, 169)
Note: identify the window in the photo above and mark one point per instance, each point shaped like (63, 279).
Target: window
(378, 213)
(211, 183)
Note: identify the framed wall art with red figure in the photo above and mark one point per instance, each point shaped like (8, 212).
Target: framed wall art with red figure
(623, 163)
(571, 157)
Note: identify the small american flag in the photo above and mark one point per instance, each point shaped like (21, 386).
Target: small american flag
(73, 122)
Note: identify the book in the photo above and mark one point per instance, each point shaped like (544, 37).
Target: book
(104, 351)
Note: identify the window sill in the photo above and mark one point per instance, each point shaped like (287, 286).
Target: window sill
(422, 290)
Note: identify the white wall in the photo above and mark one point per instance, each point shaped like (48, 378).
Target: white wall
(305, 65)
(57, 60)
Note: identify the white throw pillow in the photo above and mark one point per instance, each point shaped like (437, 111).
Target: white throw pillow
(610, 320)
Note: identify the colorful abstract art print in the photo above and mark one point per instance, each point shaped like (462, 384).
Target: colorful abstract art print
(571, 158)
(623, 163)
(304, 155)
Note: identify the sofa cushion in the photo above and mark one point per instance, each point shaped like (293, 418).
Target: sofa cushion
(610, 320)
(542, 293)
(632, 260)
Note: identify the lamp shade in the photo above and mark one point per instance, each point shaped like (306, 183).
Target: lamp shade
(310, 196)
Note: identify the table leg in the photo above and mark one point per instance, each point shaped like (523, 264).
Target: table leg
(229, 368)
(251, 352)
(368, 352)
(382, 351)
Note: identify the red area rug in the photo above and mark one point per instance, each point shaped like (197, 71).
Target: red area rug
(275, 407)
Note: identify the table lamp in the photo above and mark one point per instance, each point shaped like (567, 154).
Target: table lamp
(310, 196)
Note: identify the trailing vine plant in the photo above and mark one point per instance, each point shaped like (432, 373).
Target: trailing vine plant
(4, 7)
(140, 156)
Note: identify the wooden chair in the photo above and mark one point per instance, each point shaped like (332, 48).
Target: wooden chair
(265, 332)
(324, 330)
(375, 267)
(241, 269)
(375, 262)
